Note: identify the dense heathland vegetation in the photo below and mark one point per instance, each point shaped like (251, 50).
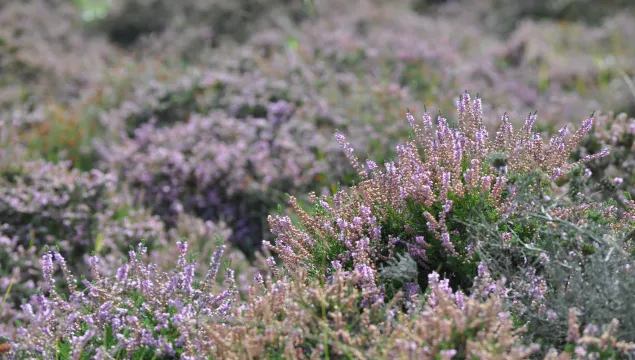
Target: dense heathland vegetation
(291, 179)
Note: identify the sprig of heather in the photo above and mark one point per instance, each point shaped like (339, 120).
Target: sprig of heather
(417, 201)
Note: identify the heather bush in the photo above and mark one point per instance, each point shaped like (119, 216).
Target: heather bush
(419, 203)
(141, 312)
(203, 238)
(52, 204)
(76, 131)
(45, 204)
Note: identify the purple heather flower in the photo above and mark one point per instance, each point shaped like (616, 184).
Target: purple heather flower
(618, 180)
(371, 165)
(433, 277)
(591, 329)
(459, 298)
(446, 241)
(478, 105)
(586, 125)
(336, 265)
(214, 263)
(411, 119)
(482, 270)
(447, 206)
(557, 172)
(122, 273)
(563, 132)
(580, 352)
(447, 354)
(47, 268)
(529, 122)
(412, 289)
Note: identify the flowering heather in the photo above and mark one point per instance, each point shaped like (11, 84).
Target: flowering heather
(50, 205)
(203, 238)
(140, 309)
(603, 56)
(216, 167)
(143, 311)
(419, 203)
(578, 66)
(561, 253)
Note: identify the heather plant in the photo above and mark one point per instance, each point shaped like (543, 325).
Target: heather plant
(597, 79)
(44, 204)
(143, 311)
(213, 166)
(420, 202)
(203, 239)
(77, 131)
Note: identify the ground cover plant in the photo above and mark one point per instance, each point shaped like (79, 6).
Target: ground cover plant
(314, 182)
(381, 247)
